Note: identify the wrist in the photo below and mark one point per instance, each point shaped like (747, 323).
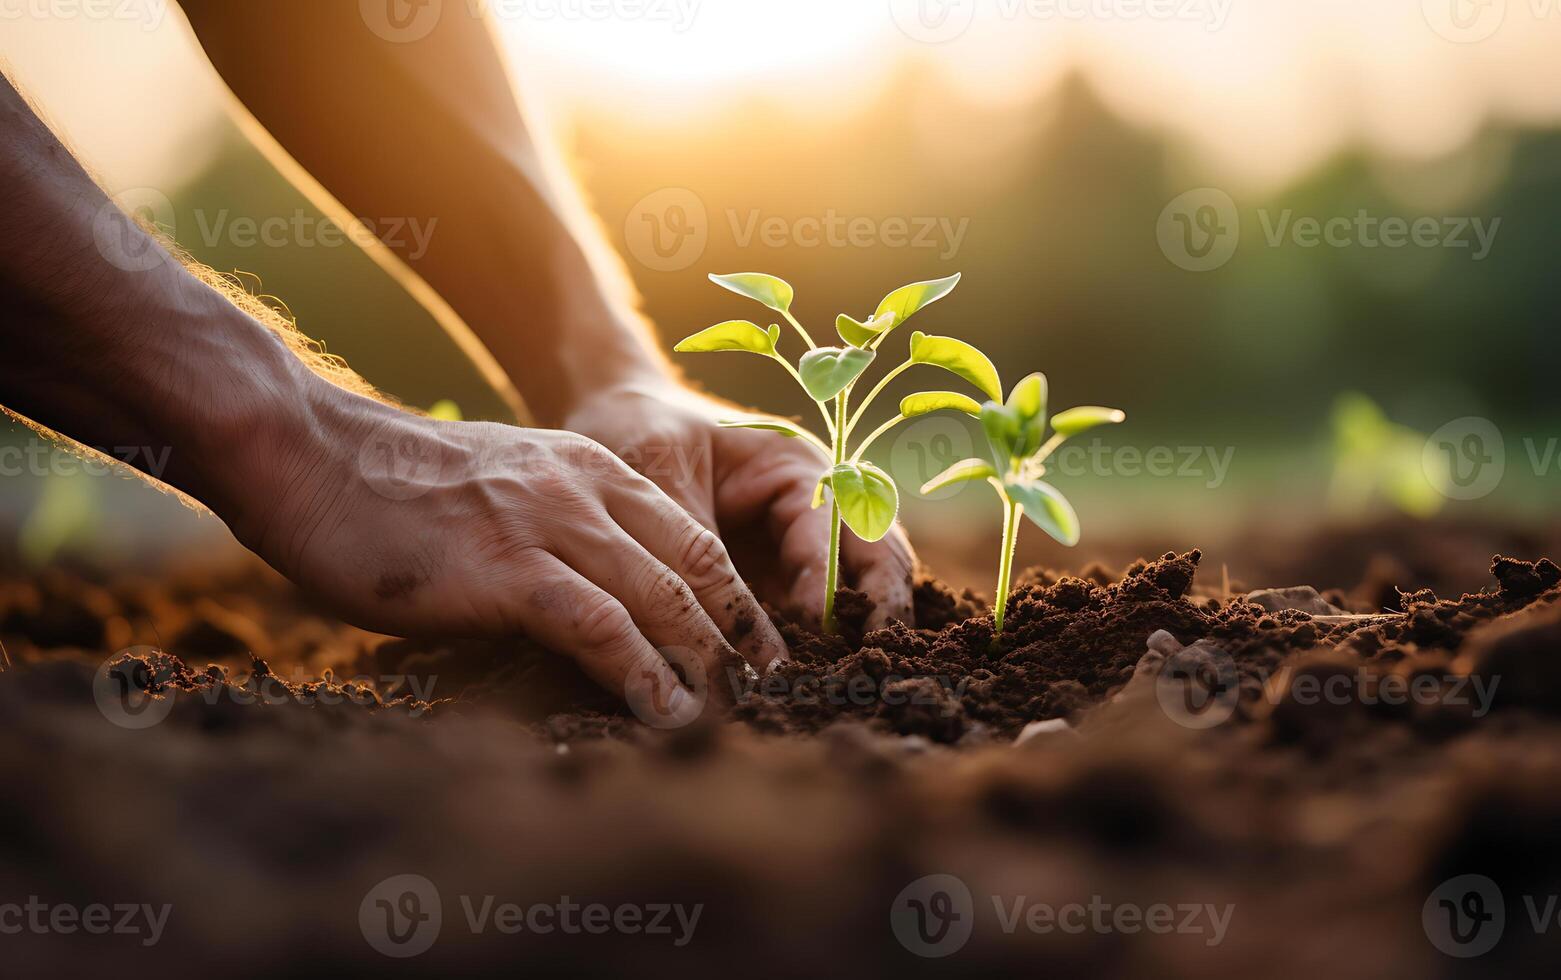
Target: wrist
(589, 372)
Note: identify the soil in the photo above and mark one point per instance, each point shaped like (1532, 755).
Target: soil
(1137, 736)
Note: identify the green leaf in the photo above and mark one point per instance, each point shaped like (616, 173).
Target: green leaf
(1028, 397)
(867, 498)
(827, 370)
(959, 357)
(445, 410)
(818, 491)
(861, 334)
(785, 428)
(775, 293)
(731, 335)
(906, 300)
(924, 402)
(961, 472)
(1084, 418)
(1002, 431)
(1047, 508)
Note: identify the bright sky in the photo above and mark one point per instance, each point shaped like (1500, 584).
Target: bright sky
(1261, 89)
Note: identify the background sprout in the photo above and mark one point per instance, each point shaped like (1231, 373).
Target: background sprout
(861, 494)
(1014, 431)
(1374, 455)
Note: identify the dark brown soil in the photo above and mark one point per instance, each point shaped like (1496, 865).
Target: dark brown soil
(281, 787)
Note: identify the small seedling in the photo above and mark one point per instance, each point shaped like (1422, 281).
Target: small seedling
(861, 494)
(1014, 430)
(1375, 456)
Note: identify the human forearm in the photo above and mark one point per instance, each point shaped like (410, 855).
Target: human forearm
(111, 341)
(431, 131)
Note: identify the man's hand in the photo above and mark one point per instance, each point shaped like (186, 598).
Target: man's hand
(754, 487)
(433, 129)
(410, 525)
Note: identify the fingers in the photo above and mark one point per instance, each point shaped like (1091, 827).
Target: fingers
(883, 570)
(680, 471)
(803, 534)
(563, 611)
(691, 576)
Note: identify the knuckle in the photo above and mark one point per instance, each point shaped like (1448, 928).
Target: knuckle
(703, 558)
(665, 594)
(602, 624)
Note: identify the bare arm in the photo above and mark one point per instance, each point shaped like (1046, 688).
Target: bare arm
(431, 130)
(110, 339)
(403, 524)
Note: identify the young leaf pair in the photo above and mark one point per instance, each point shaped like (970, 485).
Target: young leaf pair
(1014, 431)
(861, 495)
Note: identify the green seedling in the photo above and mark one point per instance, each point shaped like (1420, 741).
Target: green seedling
(1374, 456)
(861, 495)
(1014, 431)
